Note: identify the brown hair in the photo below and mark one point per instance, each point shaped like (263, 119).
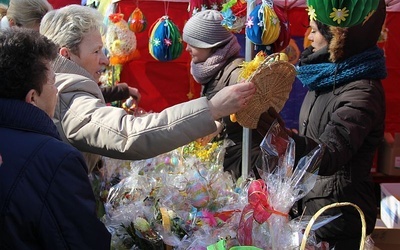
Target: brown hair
(24, 57)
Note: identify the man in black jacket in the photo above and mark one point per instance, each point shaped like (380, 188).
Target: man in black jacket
(46, 201)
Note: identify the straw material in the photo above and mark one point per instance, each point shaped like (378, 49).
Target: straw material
(323, 209)
(273, 79)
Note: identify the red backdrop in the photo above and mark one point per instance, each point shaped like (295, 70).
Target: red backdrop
(163, 84)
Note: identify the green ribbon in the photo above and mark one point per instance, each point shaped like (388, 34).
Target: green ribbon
(220, 245)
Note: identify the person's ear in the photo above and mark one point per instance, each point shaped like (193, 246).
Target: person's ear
(31, 97)
(64, 52)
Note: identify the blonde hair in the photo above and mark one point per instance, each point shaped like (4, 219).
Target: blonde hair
(27, 13)
(3, 10)
(67, 26)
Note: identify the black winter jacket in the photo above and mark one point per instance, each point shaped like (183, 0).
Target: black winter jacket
(350, 121)
(46, 200)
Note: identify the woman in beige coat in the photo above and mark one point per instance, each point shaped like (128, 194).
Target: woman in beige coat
(85, 121)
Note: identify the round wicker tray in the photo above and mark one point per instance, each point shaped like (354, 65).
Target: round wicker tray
(273, 80)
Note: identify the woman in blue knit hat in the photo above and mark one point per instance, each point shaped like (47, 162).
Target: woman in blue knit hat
(216, 64)
(344, 109)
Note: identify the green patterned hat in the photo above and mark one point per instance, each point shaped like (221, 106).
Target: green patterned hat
(341, 13)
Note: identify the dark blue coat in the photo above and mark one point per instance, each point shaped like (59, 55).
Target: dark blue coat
(46, 200)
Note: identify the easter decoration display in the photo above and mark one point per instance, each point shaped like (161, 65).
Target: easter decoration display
(176, 198)
(341, 13)
(165, 41)
(179, 201)
(263, 25)
(273, 76)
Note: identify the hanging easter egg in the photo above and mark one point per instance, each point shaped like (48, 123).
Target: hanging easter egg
(253, 29)
(341, 13)
(119, 40)
(198, 194)
(165, 42)
(263, 25)
(137, 21)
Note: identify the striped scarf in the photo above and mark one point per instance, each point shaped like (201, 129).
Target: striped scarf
(369, 64)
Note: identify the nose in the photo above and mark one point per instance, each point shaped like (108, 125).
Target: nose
(103, 59)
(187, 47)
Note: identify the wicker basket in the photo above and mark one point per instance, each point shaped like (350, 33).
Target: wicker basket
(339, 204)
(273, 80)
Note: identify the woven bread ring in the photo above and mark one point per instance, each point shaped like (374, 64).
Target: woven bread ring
(273, 79)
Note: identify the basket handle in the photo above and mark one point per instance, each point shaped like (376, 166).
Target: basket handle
(338, 204)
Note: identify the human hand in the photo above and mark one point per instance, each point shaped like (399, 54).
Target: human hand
(133, 92)
(266, 120)
(231, 99)
(206, 139)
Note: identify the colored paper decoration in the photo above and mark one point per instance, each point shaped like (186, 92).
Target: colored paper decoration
(234, 15)
(199, 5)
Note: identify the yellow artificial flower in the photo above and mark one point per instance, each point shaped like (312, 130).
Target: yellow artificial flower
(339, 15)
(311, 13)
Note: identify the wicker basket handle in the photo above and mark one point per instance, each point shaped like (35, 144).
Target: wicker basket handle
(338, 204)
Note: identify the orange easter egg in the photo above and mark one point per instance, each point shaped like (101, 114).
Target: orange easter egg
(137, 21)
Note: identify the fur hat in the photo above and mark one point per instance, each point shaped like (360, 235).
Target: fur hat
(204, 30)
(347, 42)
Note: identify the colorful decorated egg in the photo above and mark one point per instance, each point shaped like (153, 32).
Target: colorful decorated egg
(198, 194)
(165, 43)
(119, 40)
(263, 25)
(137, 21)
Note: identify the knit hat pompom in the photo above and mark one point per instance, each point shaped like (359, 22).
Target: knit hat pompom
(204, 30)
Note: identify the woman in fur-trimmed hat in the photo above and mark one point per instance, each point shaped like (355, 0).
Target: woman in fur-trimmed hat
(344, 109)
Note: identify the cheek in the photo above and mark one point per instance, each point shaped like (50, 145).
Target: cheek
(89, 62)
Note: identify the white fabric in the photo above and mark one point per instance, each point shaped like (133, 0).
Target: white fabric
(4, 24)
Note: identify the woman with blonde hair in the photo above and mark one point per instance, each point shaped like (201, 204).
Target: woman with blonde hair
(24, 13)
(29, 13)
